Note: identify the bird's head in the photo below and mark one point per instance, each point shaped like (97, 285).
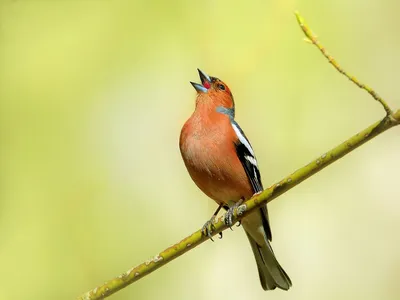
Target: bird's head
(213, 92)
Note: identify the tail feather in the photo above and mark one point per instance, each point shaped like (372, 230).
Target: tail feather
(271, 273)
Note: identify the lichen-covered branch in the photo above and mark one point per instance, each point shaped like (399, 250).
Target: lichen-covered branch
(312, 38)
(164, 257)
(266, 196)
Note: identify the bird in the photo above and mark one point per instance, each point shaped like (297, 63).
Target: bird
(221, 161)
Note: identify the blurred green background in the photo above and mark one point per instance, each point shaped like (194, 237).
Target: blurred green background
(93, 95)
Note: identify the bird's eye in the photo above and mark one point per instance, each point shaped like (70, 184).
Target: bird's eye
(221, 87)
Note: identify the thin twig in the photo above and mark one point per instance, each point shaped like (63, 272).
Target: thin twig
(314, 40)
(192, 241)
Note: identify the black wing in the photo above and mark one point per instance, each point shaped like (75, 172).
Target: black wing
(249, 162)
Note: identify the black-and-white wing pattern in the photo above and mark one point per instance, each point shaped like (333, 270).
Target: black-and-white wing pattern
(248, 159)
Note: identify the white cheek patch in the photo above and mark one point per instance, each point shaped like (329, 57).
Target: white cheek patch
(242, 139)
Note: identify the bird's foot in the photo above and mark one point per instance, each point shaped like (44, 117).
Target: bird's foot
(209, 227)
(230, 213)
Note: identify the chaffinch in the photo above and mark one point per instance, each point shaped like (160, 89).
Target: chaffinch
(222, 163)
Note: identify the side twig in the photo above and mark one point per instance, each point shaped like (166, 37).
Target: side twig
(192, 241)
(314, 40)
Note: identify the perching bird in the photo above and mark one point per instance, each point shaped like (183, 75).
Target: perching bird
(221, 162)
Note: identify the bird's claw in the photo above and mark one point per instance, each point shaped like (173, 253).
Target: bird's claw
(230, 213)
(208, 229)
(228, 220)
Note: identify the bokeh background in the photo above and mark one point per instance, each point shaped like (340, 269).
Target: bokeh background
(93, 95)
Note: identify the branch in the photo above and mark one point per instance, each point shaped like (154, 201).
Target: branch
(312, 38)
(390, 120)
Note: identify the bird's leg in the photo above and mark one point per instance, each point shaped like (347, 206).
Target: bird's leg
(229, 214)
(208, 227)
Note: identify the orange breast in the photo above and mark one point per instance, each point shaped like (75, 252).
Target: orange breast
(208, 150)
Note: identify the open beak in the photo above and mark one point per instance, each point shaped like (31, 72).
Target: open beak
(205, 82)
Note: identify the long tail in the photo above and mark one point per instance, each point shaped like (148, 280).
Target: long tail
(271, 273)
